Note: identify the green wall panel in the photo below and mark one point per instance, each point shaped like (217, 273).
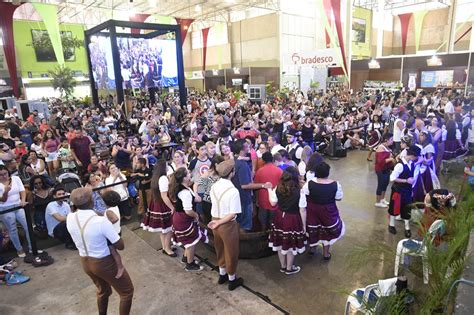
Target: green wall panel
(25, 54)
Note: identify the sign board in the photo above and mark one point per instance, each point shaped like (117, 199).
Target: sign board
(412, 81)
(315, 58)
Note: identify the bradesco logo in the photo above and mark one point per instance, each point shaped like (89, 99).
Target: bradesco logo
(311, 60)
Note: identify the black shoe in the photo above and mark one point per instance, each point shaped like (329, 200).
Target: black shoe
(392, 229)
(193, 267)
(283, 270)
(407, 233)
(170, 255)
(327, 258)
(70, 246)
(235, 284)
(223, 279)
(294, 270)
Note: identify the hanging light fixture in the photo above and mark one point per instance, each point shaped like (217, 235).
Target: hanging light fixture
(434, 61)
(374, 64)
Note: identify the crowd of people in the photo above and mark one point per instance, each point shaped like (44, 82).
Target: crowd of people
(226, 165)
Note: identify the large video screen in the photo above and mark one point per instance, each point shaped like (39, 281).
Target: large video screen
(431, 79)
(100, 50)
(148, 63)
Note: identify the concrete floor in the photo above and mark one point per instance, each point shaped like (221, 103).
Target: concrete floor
(317, 289)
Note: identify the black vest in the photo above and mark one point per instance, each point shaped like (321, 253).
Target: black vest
(178, 205)
(292, 154)
(407, 173)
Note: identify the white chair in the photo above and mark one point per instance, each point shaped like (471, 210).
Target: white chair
(416, 248)
(366, 300)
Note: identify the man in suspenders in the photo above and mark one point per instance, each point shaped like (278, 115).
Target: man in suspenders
(401, 197)
(225, 207)
(91, 234)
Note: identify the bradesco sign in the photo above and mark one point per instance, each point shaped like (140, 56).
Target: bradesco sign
(322, 57)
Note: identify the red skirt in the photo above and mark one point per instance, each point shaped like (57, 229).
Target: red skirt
(286, 233)
(186, 231)
(323, 224)
(157, 218)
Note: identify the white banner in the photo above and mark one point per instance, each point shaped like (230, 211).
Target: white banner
(321, 57)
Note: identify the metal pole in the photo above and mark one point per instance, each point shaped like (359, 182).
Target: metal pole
(401, 72)
(29, 223)
(467, 74)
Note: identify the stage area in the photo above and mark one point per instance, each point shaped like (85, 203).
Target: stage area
(163, 287)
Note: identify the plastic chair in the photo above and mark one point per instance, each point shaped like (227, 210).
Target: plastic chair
(416, 248)
(366, 300)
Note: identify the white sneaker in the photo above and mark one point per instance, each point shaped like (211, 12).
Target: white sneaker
(385, 202)
(380, 205)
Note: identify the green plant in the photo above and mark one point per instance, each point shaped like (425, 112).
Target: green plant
(63, 80)
(237, 94)
(42, 42)
(446, 262)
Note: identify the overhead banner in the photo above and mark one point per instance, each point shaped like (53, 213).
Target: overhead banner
(321, 57)
(138, 17)
(404, 22)
(361, 32)
(49, 14)
(184, 25)
(418, 16)
(6, 25)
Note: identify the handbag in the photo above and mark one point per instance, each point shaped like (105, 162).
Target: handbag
(132, 190)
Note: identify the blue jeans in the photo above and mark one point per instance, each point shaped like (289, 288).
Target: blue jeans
(10, 220)
(245, 218)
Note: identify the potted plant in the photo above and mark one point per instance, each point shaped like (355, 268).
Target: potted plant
(63, 80)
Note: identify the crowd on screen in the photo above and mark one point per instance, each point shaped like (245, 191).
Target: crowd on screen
(167, 160)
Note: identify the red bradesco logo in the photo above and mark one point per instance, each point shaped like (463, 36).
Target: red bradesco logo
(311, 60)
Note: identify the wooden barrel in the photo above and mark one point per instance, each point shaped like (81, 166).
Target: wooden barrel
(253, 245)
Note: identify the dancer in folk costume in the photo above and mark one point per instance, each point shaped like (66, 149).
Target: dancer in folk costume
(158, 218)
(323, 223)
(425, 175)
(287, 233)
(186, 228)
(402, 178)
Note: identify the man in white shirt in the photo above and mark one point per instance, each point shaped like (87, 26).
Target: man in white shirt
(91, 232)
(55, 217)
(226, 206)
(449, 109)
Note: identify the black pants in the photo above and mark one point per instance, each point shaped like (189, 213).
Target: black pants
(125, 208)
(61, 233)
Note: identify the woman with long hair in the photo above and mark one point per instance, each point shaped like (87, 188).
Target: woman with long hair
(314, 160)
(186, 229)
(374, 130)
(179, 160)
(39, 196)
(93, 181)
(158, 218)
(425, 179)
(323, 224)
(287, 233)
(13, 194)
(115, 176)
(384, 162)
(305, 155)
(453, 147)
(50, 146)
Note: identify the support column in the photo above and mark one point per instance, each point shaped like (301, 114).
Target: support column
(452, 26)
(349, 40)
(381, 17)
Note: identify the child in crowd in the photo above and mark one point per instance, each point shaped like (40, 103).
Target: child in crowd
(112, 199)
(65, 155)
